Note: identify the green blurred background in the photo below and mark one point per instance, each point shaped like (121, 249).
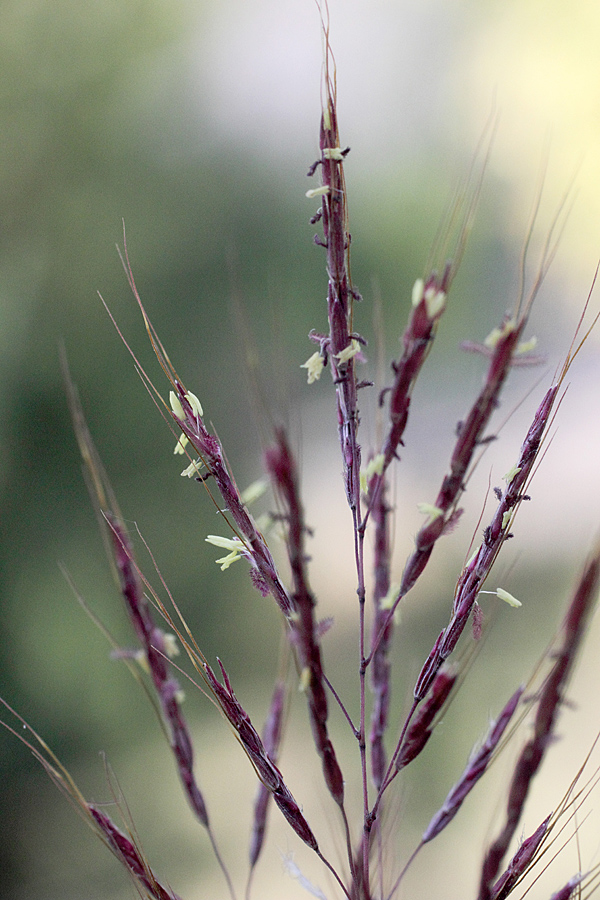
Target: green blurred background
(195, 122)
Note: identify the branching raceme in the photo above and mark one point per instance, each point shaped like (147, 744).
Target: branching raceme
(370, 870)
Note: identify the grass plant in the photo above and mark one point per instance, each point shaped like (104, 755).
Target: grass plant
(369, 861)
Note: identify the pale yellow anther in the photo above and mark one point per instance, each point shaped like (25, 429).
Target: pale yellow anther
(508, 598)
(333, 153)
(317, 192)
(194, 403)
(232, 544)
(180, 696)
(254, 491)
(417, 292)
(181, 444)
(193, 469)
(492, 338)
(506, 517)
(512, 473)
(142, 661)
(527, 346)
(225, 543)
(491, 341)
(504, 595)
(390, 598)
(171, 645)
(314, 365)
(176, 405)
(304, 682)
(326, 118)
(374, 467)
(435, 302)
(348, 352)
(428, 509)
(471, 558)
(225, 561)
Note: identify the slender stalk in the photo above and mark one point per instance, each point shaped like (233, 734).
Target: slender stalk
(360, 782)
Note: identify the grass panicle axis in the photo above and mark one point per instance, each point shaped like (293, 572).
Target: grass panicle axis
(368, 862)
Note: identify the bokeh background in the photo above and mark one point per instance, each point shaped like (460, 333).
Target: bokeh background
(195, 123)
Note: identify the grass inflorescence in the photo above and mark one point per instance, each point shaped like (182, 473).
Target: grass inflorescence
(368, 863)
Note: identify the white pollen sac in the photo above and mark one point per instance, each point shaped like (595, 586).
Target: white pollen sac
(254, 491)
(508, 598)
(304, 681)
(526, 346)
(375, 465)
(496, 334)
(194, 403)
(348, 352)
(428, 509)
(176, 406)
(390, 598)
(512, 473)
(417, 292)
(234, 544)
(171, 645)
(314, 364)
(193, 470)
(181, 444)
(435, 302)
(317, 192)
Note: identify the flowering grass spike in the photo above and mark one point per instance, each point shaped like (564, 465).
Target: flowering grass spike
(364, 845)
